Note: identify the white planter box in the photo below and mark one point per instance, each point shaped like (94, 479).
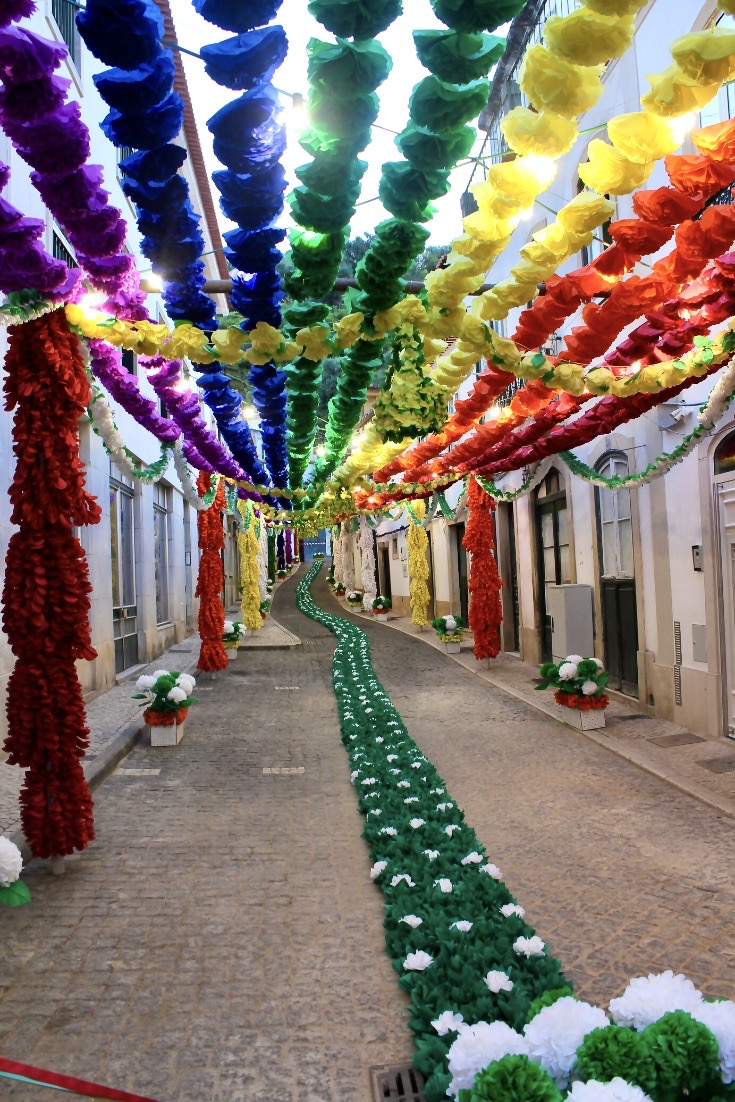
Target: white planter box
(231, 654)
(167, 736)
(452, 648)
(592, 720)
(381, 615)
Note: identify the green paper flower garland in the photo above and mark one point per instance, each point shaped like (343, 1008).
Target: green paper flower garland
(443, 899)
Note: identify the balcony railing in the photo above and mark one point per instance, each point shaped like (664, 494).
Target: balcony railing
(65, 14)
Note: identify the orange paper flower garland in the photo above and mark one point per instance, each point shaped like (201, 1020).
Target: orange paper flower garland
(486, 610)
(46, 591)
(212, 655)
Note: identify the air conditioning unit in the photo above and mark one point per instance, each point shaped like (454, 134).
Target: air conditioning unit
(570, 609)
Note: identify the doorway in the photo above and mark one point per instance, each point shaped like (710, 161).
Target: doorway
(464, 593)
(122, 551)
(552, 550)
(617, 578)
(384, 571)
(724, 472)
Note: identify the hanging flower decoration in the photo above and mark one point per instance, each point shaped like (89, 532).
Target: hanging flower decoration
(212, 655)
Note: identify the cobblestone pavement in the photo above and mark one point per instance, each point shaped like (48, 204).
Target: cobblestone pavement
(221, 941)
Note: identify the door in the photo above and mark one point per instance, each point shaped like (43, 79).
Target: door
(508, 514)
(552, 553)
(431, 608)
(188, 579)
(464, 593)
(726, 509)
(617, 578)
(122, 553)
(384, 585)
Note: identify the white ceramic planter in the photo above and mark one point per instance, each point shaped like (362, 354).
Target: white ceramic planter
(231, 654)
(381, 615)
(452, 648)
(592, 720)
(167, 736)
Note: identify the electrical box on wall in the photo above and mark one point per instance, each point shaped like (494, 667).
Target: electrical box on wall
(570, 608)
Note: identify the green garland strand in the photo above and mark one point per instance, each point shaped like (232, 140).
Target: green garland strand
(420, 842)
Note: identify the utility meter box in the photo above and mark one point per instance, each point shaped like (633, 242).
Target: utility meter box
(570, 609)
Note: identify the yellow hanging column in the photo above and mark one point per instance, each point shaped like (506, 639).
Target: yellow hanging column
(248, 545)
(418, 564)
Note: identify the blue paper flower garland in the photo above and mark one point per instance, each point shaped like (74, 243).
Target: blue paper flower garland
(249, 141)
(146, 114)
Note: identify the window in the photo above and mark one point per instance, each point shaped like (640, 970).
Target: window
(394, 548)
(161, 524)
(61, 251)
(65, 14)
(616, 526)
(130, 361)
(725, 455)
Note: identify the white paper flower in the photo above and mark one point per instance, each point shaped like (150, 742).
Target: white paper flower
(512, 909)
(369, 781)
(404, 784)
(589, 687)
(444, 885)
(187, 683)
(529, 946)
(574, 658)
(176, 695)
(476, 1047)
(389, 830)
(648, 998)
(418, 962)
(498, 981)
(432, 854)
(416, 823)
(568, 671)
(443, 807)
(462, 925)
(375, 811)
(437, 792)
(412, 920)
(402, 876)
(720, 1020)
(354, 774)
(450, 623)
(415, 764)
(377, 869)
(11, 862)
(396, 772)
(379, 739)
(492, 870)
(451, 829)
(229, 627)
(448, 1022)
(557, 1031)
(473, 858)
(411, 800)
(392, 757)
(144, 683)
(598, 663)
(617, 1090)
(159, 673)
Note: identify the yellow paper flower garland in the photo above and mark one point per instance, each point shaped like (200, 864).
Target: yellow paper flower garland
(417, 541)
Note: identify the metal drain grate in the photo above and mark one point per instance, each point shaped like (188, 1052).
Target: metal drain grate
(398, 1082)
(681, 739)
(719, 765)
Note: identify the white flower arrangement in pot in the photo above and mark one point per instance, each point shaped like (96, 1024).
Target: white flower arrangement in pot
(354, 598)
(449, 629)
(13, 892)
(167, 695)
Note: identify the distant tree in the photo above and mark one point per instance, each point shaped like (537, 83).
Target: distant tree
(427, 261)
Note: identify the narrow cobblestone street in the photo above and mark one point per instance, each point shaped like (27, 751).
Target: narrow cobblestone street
(221, 940)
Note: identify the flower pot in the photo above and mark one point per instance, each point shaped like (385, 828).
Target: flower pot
(381, 613)
(166, 728)
(591, 720)
(452, 648)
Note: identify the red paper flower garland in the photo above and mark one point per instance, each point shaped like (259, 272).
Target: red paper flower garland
(486, 611)
(46, 591)
(212, 655)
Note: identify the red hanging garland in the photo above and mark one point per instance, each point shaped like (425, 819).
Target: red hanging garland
(486, 611)
(212, 655)
(46, 590)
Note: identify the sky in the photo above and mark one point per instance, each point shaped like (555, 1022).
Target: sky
(207, 97)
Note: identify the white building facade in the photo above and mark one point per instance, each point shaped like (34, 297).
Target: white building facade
(658, 562)
(143, 555)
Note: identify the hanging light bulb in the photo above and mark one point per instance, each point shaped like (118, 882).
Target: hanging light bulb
(91, 302)
(249, 413)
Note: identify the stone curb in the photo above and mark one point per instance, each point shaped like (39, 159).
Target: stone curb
(631, 753)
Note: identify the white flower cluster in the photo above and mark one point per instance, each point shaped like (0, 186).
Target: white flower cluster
(182, 689)
(553, 1037)
(11, 862)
